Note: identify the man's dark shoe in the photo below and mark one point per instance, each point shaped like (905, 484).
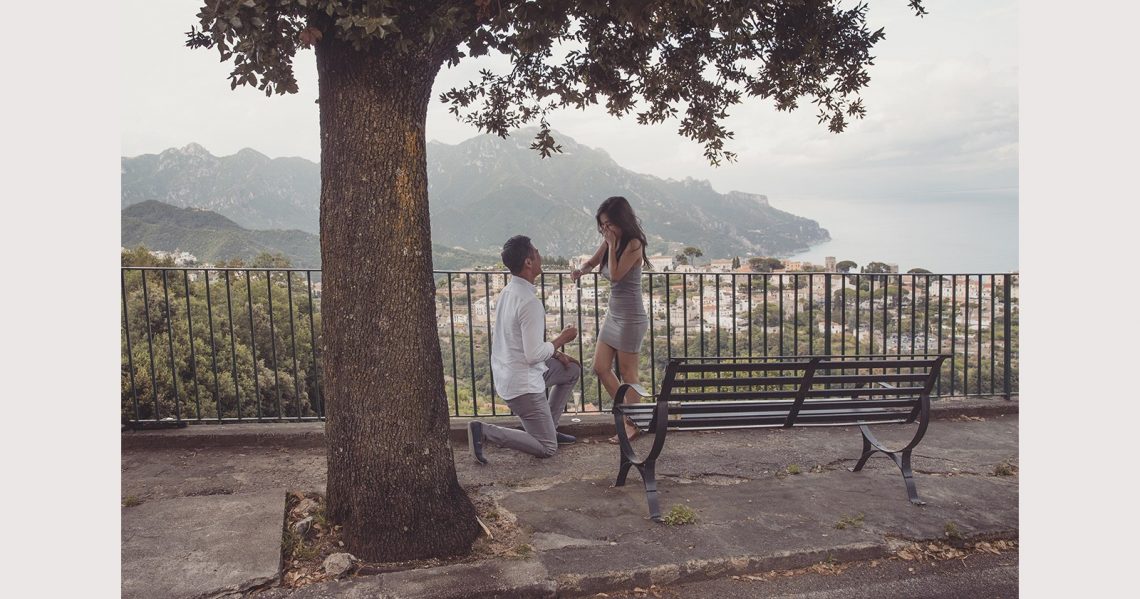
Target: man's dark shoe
(564, 439)
(475, 440)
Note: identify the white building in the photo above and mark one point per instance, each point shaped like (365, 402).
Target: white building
(660, 263)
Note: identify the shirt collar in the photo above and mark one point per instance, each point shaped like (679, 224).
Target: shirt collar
(523, 283)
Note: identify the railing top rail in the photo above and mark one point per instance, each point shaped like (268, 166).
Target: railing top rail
(219, 268)
(566, 272)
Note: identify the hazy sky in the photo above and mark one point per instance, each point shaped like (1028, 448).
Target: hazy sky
(942, 111)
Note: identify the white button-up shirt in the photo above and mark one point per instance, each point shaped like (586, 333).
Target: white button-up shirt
(518, 353)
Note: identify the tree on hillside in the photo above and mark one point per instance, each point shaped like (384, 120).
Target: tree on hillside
(845, 266)
(918, 271)
(876, 268)
(761, 264)
(391, 480)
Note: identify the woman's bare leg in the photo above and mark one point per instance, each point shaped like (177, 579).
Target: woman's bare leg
(603, 367)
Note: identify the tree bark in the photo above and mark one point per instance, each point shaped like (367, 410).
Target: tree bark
(391, 474)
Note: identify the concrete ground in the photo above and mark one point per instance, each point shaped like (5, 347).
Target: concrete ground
(206, 509)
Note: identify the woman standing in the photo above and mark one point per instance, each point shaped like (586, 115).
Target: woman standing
(621, 256)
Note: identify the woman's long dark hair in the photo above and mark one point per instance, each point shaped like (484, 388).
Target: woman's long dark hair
(621, 214)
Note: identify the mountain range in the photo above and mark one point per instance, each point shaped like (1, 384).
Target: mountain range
(212, 237)
(481, 192)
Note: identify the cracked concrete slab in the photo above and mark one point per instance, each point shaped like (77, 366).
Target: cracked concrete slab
(201, 546)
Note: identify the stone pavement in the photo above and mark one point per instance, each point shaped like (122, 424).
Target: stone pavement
(211, 506)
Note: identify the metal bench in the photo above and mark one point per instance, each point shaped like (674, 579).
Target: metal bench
(735, 393)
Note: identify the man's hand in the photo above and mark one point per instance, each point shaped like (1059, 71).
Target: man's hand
(566, 336)
(565, 359)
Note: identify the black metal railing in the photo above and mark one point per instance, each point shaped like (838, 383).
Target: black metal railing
(242, 344)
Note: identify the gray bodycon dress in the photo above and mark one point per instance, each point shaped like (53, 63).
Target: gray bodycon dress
(626, 321)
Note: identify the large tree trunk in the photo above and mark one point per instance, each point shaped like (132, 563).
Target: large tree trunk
(391, 474)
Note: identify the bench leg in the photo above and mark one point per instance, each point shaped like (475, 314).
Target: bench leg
(900, 458)
(623, 471)
(650, 479)
(868, 449)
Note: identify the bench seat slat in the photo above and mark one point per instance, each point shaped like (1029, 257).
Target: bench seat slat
(767, 406)
(831, 364)
(785, 393)
(777, 419)
(696, 426)
(822, 379)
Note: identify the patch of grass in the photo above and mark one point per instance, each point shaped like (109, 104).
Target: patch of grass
(1005, 469)
(793, 469)
(131, 501)
(855, 521)
(953, 532)
(680, 515)
(293, 546)
(524, 550)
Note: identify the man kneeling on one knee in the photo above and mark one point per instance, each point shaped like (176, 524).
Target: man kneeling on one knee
(524, 365)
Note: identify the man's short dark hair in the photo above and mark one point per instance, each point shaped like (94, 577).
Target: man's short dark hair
(515, 252)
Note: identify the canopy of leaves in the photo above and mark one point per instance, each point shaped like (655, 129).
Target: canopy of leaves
(877, 268)
(656, 59)
(763, 264)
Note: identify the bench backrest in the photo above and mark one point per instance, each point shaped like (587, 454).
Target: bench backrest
(806, 389)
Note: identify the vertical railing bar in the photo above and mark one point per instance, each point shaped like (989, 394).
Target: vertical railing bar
(273, 340)
(811, 314)
(597, 334)
(150, 345)
(978, 388)
(966, 339)
(293, 341)
(926, 315)
(701, 294)
(542, 293)
(993, 333)
(796, 314)
(130, 349)
(764, 286)
(953, 329)
(871, 315)
(1007, 299)
(733, 275)
(233, 343)
(213, 346)
(886, 300)
(913, 313)
(685, 311)
(581, 353)
(716, 282)
(490, 334)
(320, 409)
(170, 339)
(781, 319)
(941, 280)
(828, 313)
(652, 340)
(252, 342)
(193, 358)
(858, 301)
(471, 346)
(751, 317)
(898, 318)
(454, 358)
(843, 315)
(668, 321)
